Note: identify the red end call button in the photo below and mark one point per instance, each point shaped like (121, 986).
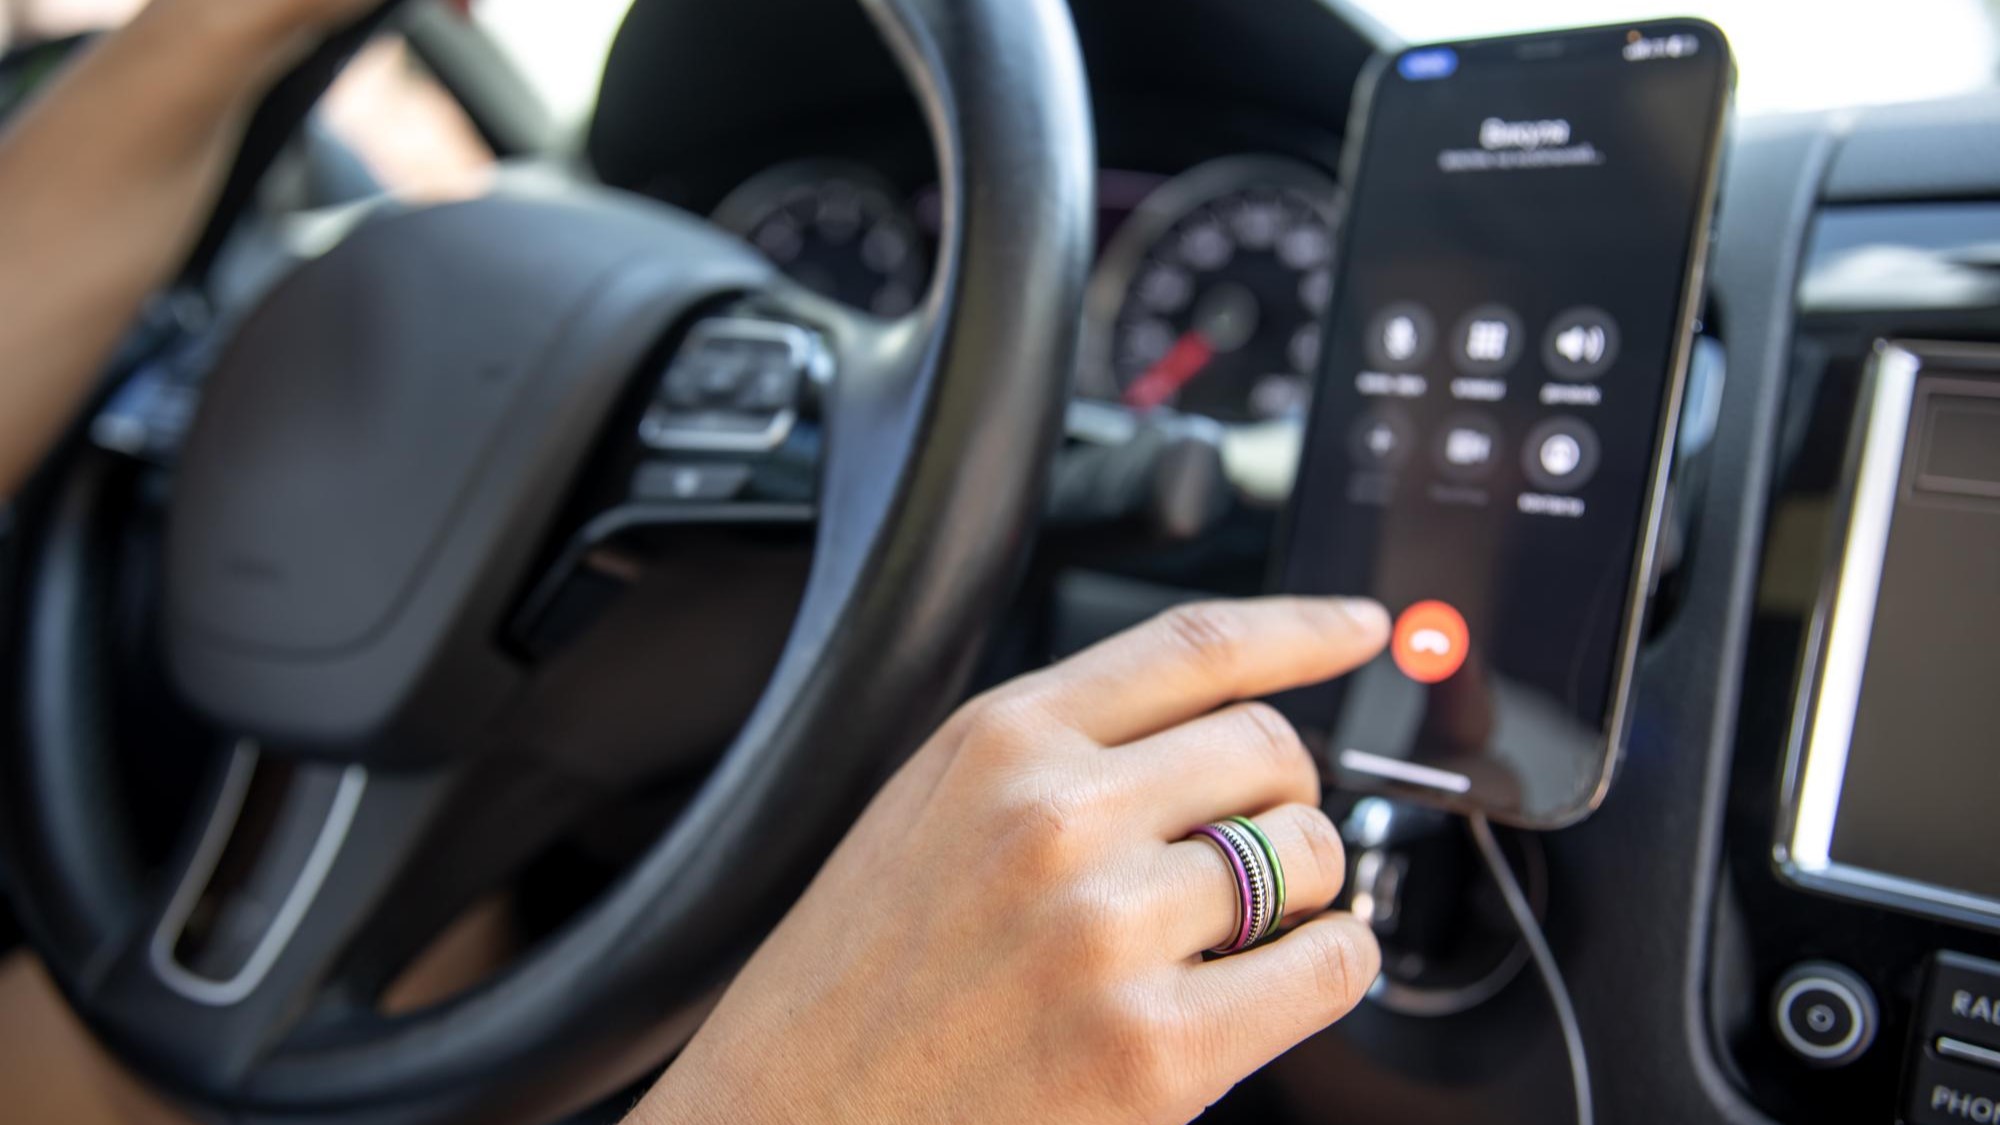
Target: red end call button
(1430, 642)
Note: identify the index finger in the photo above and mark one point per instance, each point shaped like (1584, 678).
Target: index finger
(1196, 657)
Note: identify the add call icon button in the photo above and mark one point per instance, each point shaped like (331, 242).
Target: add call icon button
(1430, 642)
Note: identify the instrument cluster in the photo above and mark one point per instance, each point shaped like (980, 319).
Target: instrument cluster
(1206, 297)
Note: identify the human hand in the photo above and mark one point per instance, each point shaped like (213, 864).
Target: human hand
(1012, 932)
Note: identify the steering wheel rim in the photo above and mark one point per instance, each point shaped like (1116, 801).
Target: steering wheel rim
(935, 460)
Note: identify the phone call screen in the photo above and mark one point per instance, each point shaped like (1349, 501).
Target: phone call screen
(1489, 418)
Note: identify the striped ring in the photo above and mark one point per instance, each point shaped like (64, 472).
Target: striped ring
(1277, 868)
(1259, 882)
(1263, 888)
(1243, 886)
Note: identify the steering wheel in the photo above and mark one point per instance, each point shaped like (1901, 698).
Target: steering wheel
(395, 494)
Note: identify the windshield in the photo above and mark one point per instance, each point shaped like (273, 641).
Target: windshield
(560, 46)
(1789, 56)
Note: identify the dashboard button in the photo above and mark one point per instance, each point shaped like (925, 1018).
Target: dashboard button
(1824, 1013)
(689, 481)
(1430, 642)
(1943, 1092)
(1959, 1049)
(1581, 343)
(1560, 455)
(1487, 341)
(1963, 1000)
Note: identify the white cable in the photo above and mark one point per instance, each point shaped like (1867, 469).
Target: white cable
(1545, 962)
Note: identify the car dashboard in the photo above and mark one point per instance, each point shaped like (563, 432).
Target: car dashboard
(1699, 951)
(1217, 189)
(1712, 976)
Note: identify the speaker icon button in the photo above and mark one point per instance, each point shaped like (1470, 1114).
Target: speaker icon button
(1581, 343)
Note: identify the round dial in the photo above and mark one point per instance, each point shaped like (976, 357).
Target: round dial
(1209, 297)
(836, 228)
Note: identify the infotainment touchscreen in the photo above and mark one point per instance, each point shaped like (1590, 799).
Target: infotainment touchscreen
(1894, 791)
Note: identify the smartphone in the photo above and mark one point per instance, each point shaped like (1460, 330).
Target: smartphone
(1488, 447)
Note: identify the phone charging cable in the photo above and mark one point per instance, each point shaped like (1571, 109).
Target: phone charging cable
(1545, 961)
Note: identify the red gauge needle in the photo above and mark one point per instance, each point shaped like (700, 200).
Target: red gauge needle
(1185, 360)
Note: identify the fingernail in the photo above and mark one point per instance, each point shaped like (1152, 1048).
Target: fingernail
(1368, 615)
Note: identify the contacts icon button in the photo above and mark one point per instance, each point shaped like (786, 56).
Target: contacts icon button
(1431, 642)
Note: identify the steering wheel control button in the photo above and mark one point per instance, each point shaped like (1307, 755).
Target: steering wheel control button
(1468, 447)
(1487, 341)
(1581, 343)
(1381, 439)
(689, 482)
(1962, 1000)
(1400, 337)
(1430, 642)
(1946, 1092)
(1824, 1014)
(735, 385)
(1561, 455)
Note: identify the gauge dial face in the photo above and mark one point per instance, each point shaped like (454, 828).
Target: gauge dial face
(836, 228)
(1209, 298)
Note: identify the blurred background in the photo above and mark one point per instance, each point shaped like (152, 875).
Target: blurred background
(1849, 52)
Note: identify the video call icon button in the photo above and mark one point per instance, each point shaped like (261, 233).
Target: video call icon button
(1430, 642)
(1581, 343)
(1400, 336)
(1468, 447)
(1560, 455)
(1487, 340)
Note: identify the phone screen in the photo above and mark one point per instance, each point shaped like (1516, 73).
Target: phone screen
(1487, 447)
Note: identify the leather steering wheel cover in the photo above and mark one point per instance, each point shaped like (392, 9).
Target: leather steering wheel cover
(901, 617)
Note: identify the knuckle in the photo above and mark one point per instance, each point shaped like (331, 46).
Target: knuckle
(1099, 931)
(1323, 849)
(1135, 1041)
(1004, 720)
(1273, 736)
(1044, 825)
(1211, 634)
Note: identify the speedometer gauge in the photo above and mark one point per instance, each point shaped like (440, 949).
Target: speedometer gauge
(1209, 297)
(838, 229)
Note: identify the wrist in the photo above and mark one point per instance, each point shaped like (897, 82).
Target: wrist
(695, 1091)
(242, 46)
(678, 1098)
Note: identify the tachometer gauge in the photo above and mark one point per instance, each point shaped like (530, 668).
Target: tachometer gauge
(1209, 297)
(836, 228)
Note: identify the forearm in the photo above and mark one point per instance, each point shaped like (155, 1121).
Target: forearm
(103, 184)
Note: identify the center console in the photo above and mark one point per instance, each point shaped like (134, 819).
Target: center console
(1784, 911)
(1855, 969)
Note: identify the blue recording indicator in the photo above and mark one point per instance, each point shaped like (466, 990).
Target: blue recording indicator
(1432, 62)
